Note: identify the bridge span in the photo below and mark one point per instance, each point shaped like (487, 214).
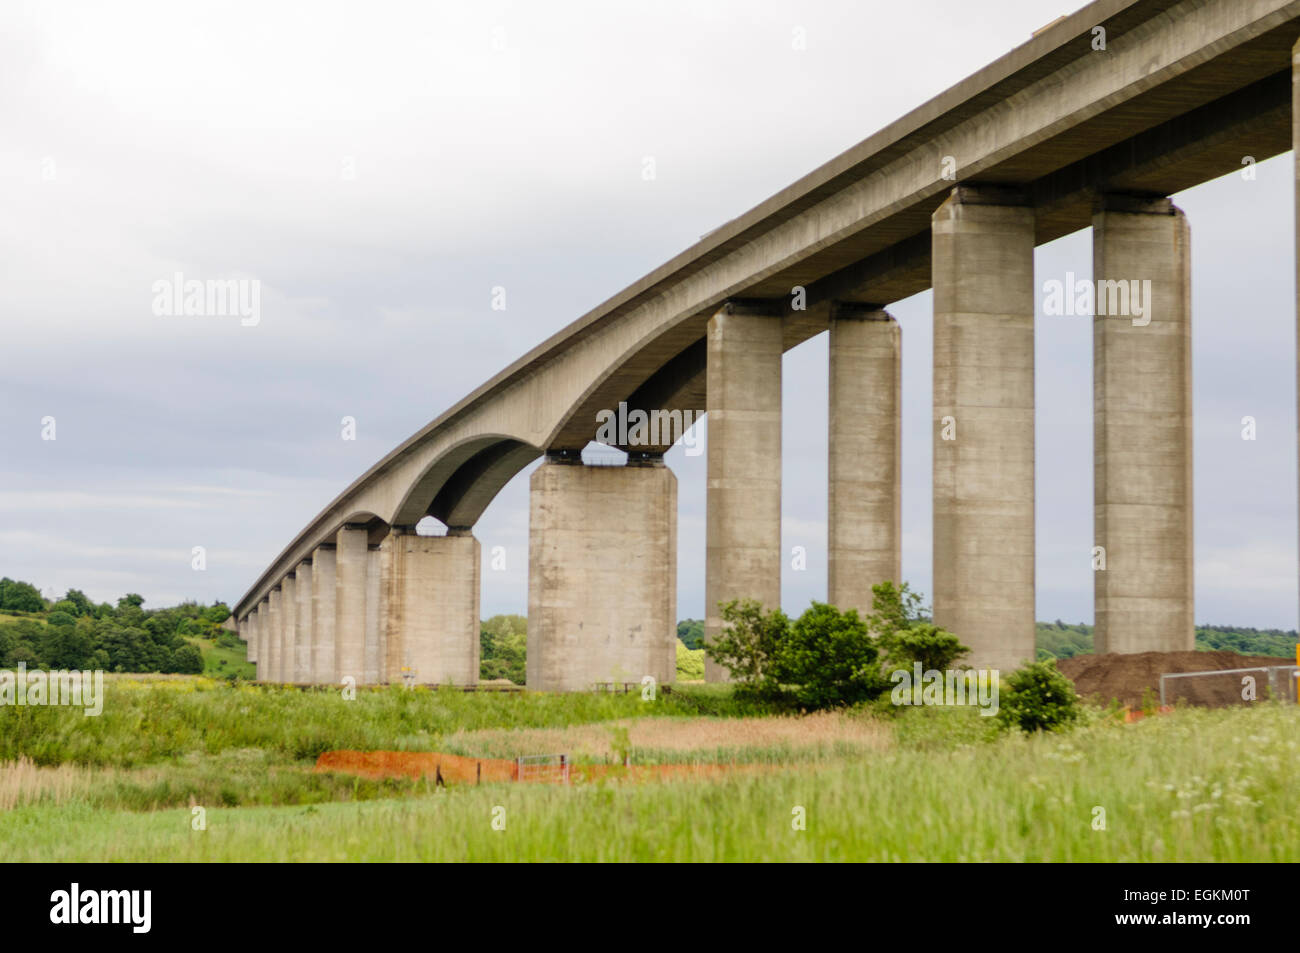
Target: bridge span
(1095, 121)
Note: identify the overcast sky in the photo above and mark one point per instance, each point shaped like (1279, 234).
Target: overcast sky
(381, 167)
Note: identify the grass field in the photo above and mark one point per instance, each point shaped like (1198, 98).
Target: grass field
(929, 784)
(220, 661)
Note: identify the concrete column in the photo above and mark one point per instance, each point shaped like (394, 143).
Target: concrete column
(351, 562)
(274, 637)
(602, 575)
(431, 607)
(743, 530)
(324, 570)
(376, 641)
(304, 630)
(1142, 426)
(249, 638)
(289, 629)
(983, 265)
(864, 519)
(259, 630)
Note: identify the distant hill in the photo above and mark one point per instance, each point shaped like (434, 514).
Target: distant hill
(75, 633)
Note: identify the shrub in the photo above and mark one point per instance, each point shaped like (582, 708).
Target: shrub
(187, 660)
(690, 663)
(747, 645)
(828, 658)
(935, 648)
(1038, 698)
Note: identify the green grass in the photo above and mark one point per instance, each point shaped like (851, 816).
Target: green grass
(151, 720)
(219, 661)
(1192, 786)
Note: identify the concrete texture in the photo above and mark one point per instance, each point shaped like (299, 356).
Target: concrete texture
(1142, 433)
(984, 385)
(351, 569)
(289, 629)
(260, 618)
(375, 670)
(864, 516)
(324, 583)
(274, 634)
(743, 530)
(304, 631)
(431, 607)
(602, 575)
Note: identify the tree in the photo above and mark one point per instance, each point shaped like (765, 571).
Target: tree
(747, 645)
(691, 632)
(187, 660)
(904, 632)
(828, 658)
(131, 600)
(1038, 698)
(503, 648)
(81, 604)
(20, 596)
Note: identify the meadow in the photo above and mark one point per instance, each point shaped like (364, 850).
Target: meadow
(922, 784)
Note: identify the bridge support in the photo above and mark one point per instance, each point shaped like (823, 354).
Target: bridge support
(743, 529)
(431, 607)
(249, 638)
(289, 628)
(602, 575)
(351, 564)
(1142, 427)
(304, 631)
(864, 514)
(375, 638)
(983, 262)
(274, 642)
(324, 582)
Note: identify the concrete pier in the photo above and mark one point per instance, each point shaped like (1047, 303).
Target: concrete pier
(289, 629)
(304, 631)
(375, 651)
(864, 516)
(1142, 426)
(274, 636)
(983, 275)
(324, 572)
(602, 575)
(351, 565)
(743, 533)
(431, 607)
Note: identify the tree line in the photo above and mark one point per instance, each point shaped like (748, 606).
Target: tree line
(76, 633)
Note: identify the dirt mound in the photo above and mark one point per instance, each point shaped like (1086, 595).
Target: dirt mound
(1126, 677)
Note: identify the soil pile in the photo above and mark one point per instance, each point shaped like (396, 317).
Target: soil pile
(1126, 677)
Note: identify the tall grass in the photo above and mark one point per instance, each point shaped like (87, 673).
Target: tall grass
(146, 721)
(1193, 786)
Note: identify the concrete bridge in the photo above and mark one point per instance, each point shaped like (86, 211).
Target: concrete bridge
(1097, 120)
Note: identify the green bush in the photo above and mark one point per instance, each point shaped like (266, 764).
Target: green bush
(824, 658)
(828, 658)
(1038, 698)
(690, 663)
(746, 646)
(187, 660)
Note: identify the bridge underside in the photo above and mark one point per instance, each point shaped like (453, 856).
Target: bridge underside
(1056, 136)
